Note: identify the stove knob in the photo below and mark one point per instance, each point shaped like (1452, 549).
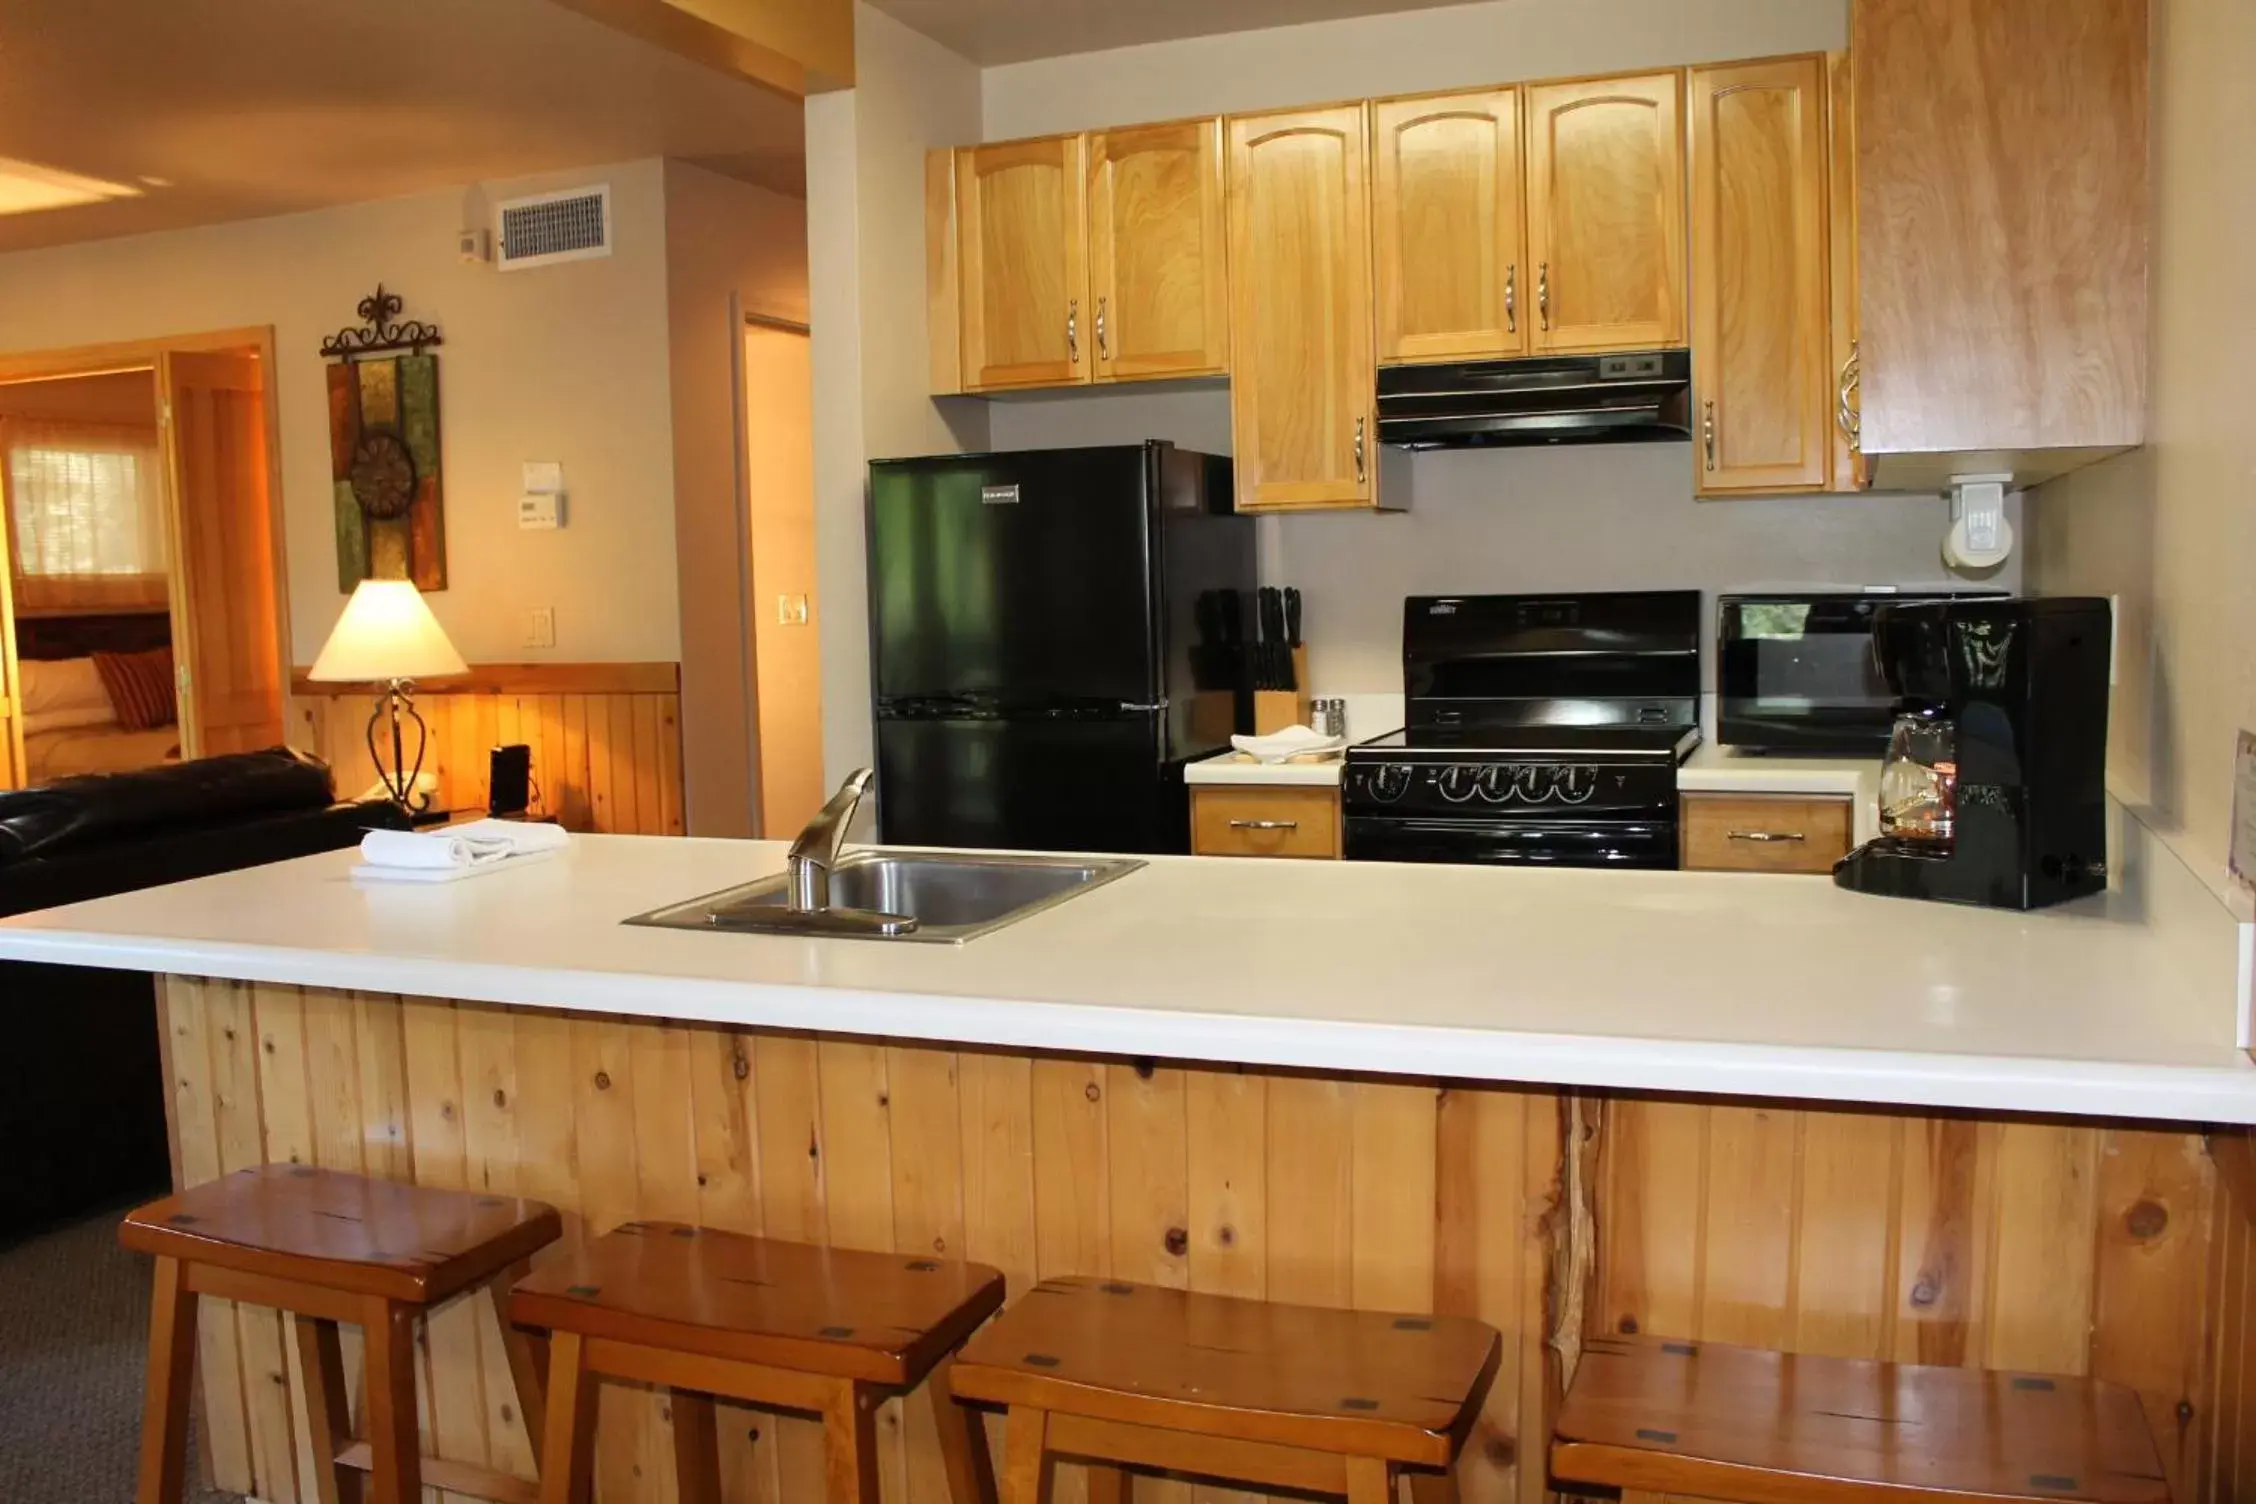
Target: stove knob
(1458, 782)
(1576, 785)
(1496, 783)
(1389, 781)
(1531, 782)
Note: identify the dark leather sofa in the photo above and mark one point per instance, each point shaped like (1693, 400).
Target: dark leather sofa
(82, 1127)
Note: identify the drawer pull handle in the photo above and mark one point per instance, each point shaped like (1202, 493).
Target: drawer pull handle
(1265, 825)
(1768, 835)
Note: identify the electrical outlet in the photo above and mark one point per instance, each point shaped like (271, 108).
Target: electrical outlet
(791, 610)
(540, 627)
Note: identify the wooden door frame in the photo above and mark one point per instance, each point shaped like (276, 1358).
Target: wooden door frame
(147, 354)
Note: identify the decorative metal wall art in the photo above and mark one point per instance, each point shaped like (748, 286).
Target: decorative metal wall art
(384, 448)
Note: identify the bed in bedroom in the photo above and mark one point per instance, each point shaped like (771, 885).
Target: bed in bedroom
(97, 694)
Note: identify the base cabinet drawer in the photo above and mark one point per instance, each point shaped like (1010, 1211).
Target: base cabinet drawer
(1764, 833)
(1239, 821)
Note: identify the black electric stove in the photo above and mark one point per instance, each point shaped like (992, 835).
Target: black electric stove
(1542, 730)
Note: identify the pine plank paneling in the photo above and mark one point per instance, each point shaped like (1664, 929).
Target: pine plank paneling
(2115, 1250)
(605, 739)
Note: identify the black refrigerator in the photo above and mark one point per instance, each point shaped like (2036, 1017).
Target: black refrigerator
(1036, 665)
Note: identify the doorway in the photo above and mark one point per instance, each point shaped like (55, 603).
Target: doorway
(780, 496)
(141, 598)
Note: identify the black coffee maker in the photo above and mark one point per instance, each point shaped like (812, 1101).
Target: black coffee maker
(1994, 791)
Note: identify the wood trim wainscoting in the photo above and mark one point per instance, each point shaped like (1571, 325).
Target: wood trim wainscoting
(606, 738)
(2025, 1243)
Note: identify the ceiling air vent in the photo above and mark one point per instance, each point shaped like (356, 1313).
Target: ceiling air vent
(551, 227)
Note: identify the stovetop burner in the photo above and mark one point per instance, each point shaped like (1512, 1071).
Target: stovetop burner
(1598, 743)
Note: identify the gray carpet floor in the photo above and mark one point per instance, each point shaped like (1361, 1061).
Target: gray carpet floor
(74, 1329)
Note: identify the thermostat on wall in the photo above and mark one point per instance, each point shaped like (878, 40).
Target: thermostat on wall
(542, 510)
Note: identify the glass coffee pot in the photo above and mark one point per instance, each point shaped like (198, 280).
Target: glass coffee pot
(1919, 781)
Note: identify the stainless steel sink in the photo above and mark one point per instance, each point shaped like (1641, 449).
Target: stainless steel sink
(938, 897)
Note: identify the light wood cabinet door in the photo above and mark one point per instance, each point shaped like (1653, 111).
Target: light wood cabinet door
(2001, 266)
(1302, 380)
(1446, 227)
(1761, 318)
(1605, 211)
(1156, 260)
(1850, 472)
(1023, 259)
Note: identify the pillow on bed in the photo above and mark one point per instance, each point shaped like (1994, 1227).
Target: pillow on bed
(62, 684)
(141, 687)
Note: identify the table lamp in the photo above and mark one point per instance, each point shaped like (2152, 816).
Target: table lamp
(389, 637)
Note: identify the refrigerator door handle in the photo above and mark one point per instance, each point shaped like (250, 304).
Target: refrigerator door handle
(1134, 707)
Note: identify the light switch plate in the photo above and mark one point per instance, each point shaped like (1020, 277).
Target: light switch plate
(543, 476)
(540, 511)
(540, 627)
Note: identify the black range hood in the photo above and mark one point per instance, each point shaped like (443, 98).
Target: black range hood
(1550, 399)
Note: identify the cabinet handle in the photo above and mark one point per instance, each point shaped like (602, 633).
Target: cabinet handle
(1543, 292)
(1849, 407)
(1512, 298)
(1362, 473)
(1265, 825)
(1104, 346)
(1767, 835)
(1073, 330)
(1707, 429)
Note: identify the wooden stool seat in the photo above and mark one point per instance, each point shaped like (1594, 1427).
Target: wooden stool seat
(1249, 1390)
(1653, 1417)
(786, 1325)
(329, 1247)
(343, 1232)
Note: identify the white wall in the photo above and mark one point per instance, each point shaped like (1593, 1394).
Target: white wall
(1581, 519)
(865, 240)
(562, 363)
(2172, 528)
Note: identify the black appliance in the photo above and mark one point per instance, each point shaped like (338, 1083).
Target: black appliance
(1037, 664)
(1994, 791)
(1542, 730)
(1797, 672)
(1550, 399)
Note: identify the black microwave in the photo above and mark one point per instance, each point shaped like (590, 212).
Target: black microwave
(1797, 673)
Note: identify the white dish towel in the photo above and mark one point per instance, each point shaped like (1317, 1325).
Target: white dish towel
(1293, 741)
(445, 856)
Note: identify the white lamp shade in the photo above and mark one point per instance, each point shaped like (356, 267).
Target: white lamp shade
(387, 632)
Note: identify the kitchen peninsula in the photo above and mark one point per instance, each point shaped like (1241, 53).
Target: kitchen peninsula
(1414, 1088)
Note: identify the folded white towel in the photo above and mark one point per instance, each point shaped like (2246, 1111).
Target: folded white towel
(477, 844)
(1293, 741)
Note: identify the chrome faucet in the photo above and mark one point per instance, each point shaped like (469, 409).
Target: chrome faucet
(816, 851)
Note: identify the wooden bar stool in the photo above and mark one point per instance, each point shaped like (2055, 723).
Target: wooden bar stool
(788, 1326)
(330, 1247)
(1121, 1375)
(1653, 1417)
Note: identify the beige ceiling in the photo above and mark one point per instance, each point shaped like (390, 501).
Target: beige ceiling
(256, 107)
(1012, 31)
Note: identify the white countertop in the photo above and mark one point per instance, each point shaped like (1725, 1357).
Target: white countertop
(1232, 768)
(2122, 1005)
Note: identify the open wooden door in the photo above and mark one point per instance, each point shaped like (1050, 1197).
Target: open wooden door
(11, 679)
(227, 608)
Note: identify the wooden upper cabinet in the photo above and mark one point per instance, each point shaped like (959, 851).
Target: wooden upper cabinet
(1761, 317)
(1302, 378)
(1850, 471)
(2002, 221)
(1605, 212)
(1446, 230)
(1022, 258)
(1156, 261)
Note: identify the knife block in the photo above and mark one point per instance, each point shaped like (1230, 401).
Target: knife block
(1275, 709)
